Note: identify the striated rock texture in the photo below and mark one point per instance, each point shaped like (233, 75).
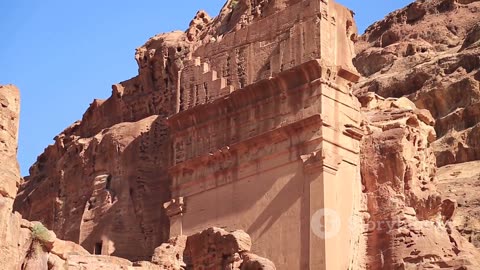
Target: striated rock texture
(25, 245)
(429, 52)
(461, 184)
(103, 191)
(9, 119)
(103, 182)
(29, 245)
(407, 225)
(14, 241)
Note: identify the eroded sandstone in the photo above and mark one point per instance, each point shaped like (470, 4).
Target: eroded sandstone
(213, 248)
(429, 53)
(408, 222)
(460, 183)
(112, 165)
(247, 121)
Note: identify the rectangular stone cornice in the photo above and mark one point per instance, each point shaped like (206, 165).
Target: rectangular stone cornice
(348, 74)
(289, 80)
(257, 141)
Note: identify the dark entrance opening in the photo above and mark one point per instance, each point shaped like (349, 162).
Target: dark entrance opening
(108, 185)
(97, 249)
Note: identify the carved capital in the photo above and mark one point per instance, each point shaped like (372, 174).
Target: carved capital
(321, 160)
(348, 74)
(174, 207)
(331, 161)
(353, 132)
(312, 161)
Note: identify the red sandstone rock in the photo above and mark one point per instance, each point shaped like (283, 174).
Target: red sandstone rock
(29, 245)
(461, 184)
(244, 121)
(9, 170)
(407, 226)
(429, 52)
(15, 241)
(212, 249)
(170, 255)
(110, 187)
(103, 182)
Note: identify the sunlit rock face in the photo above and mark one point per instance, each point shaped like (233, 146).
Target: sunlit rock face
(253, 122)
(429, 53)
(29, 245)
(15, 241)
(409, 224)
(9, 120)
(105, 179)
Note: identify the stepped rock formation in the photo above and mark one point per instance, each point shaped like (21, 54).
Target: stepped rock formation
(248, 121)
(29, 245)
(104, 181)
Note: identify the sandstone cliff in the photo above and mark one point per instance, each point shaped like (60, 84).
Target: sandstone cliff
(252, 122)
(29, 245)
(429, 52)
(408, 222)
(14, 243)
(460, 183)
(104, 180)
(24, 245)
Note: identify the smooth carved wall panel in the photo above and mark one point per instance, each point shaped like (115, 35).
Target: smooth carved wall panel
(267, 158)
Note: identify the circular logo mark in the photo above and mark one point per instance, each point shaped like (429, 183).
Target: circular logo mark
(325, 223)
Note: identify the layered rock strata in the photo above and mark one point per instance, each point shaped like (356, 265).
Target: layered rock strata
(247, 121)
(112, 165)
(29, 245)
(461, 184)
(429, 52)
(408, 225)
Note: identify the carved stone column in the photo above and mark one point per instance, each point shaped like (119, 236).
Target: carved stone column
(175, 209)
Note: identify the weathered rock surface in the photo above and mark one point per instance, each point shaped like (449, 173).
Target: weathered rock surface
(214, 249)
(24, 245)
(14, 240)
(408, 221)
(429, 52)
(103, 182)
(461, 184)
(9, 119)
(103, 191)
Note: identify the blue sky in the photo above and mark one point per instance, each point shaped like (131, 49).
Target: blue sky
(63, 54)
